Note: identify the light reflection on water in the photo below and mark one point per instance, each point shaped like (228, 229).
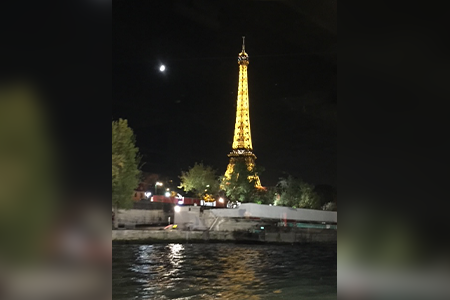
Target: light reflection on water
(224, 271)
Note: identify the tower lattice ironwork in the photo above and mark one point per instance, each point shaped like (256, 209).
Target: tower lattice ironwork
(242, 149)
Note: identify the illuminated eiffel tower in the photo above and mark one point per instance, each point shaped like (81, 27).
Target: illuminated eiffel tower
(242, 142)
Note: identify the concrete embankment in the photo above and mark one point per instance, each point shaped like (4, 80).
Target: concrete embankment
(303, 235)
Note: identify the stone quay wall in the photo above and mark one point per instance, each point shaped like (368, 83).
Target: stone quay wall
(298, 236)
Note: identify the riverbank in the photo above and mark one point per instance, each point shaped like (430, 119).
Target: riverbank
(299, 236)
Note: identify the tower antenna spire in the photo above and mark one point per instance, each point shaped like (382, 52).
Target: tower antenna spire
(243, 43)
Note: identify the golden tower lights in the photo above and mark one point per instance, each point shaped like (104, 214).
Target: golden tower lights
(242, 149)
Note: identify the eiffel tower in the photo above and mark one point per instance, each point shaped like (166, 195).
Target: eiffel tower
(242, 149)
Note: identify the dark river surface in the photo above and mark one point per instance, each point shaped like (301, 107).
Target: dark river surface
(224, 271)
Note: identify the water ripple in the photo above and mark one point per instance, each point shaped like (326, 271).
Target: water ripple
(224, 271)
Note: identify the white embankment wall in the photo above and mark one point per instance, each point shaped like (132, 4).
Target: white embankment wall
(235, 224)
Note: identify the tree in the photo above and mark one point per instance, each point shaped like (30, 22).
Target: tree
(200, 179)
(327, 194)
(330, 206)
(241, 185)
(125, 165)
(289, 194)
(297, 193)
(308, 198)
(148, 180)
(264, 195)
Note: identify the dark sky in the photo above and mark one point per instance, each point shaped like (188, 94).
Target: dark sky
(187, 113)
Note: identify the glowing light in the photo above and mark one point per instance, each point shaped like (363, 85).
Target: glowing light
(148, 194)
(167, 194)
(242, 147)
(177, 209)
(180, 201)
(162, 68)
(221, 200)
(156, 186)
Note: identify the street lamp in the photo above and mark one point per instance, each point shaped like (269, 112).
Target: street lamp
(156, 187)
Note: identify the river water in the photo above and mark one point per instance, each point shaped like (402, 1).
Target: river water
(224, 271)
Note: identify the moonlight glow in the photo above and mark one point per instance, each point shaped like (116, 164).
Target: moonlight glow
(162, 68)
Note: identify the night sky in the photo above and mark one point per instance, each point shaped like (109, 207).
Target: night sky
(187, 114)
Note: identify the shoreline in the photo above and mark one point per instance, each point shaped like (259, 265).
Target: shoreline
(243, 242)
(300, 236)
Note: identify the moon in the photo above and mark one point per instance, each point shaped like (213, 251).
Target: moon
(162, 68)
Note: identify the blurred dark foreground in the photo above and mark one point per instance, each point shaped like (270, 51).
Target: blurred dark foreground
(50, 249)
(55, 238)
